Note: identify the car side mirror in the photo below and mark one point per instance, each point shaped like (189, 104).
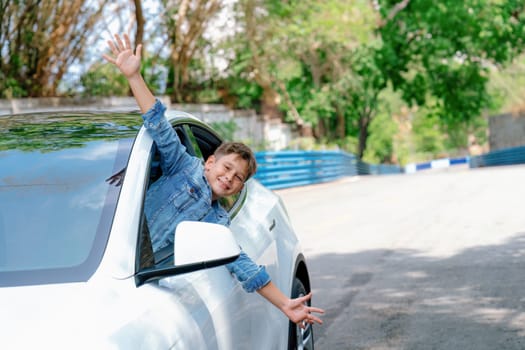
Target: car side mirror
(198, 246)
(203, 243)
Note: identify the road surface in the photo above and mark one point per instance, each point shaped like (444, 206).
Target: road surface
(431, 260)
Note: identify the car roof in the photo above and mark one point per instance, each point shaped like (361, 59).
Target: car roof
(43, 129)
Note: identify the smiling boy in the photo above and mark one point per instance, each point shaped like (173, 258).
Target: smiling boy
(189, 190)
(228, 168)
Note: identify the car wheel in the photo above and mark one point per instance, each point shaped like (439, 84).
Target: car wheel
(299, 338)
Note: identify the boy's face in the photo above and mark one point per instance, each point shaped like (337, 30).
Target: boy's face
(225, 174)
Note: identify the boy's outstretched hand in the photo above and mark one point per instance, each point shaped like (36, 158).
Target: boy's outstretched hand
(127, 62)
(296, 309)
(300, 313)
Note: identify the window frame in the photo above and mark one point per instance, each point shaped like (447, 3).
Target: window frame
(191, 134)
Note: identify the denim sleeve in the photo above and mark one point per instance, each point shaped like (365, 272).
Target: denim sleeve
(251, 276)
(173, 153)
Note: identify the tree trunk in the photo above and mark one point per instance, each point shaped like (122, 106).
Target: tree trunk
(270, 98)
(320, 130)
(270, 104)
(186, 27)
(139, 15)
(341, 124)
(305, 129)
(364, 121)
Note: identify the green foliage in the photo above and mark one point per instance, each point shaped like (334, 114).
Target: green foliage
(104, 80)
(319, 106)
(238, 87)
(303, 143)
(435, 138)
(380, 145)
(442, 50)
(332, 63)
(349, 144)
(304, 49)
(309, 143)
(201, 86)
(507, 87)
(244, 94)
(346, 22)
(302, 91)
(39, 41)
(225, 129)
(154, 71)
(11, 89)
(428, 136)
(48, 137)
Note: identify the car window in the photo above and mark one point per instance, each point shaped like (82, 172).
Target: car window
(57, 199)
(146, 258)
(207, 141)
(193, 141)
(200, 143)
(233, 203)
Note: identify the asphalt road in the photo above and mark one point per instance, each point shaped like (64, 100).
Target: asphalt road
(432, 260)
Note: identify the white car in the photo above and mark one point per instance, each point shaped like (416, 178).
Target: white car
(76, 267)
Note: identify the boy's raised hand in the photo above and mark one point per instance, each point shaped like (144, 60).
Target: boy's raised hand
(127, 62)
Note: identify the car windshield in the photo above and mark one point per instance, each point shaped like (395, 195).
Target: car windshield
(56, 201)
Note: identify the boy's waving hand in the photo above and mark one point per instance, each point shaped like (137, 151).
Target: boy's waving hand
(127, 62)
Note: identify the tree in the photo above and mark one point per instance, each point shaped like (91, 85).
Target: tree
(334, 41)
(367, 85)
(103, 79)
(40, 40)
(257, 37)
(185, 22)
(438, 53)
(299, 53)
(139, 17)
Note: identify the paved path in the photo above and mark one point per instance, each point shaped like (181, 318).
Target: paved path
(432, 260)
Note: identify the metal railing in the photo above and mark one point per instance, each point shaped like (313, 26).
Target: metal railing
(364, 168)
(507, 156)
(285, 169)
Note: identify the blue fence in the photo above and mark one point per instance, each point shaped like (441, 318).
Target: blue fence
(364, 168)
(284, 169)
(508, 156)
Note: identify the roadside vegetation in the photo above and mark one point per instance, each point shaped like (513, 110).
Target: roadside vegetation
(392, 81)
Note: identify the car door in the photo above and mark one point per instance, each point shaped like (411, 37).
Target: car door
(212, 299)
(254, 229)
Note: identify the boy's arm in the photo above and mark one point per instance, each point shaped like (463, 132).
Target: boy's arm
(295, 309)
(166, 139)
(129, 64)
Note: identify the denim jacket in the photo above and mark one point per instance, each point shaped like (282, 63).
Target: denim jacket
(182, 193)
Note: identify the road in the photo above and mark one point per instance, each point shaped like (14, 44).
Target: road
(431, 260)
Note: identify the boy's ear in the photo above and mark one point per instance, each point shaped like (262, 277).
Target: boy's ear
(209, 162)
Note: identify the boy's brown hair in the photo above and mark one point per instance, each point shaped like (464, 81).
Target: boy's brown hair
(242, 150)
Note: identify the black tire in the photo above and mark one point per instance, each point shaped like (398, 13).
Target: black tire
(299, 338)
